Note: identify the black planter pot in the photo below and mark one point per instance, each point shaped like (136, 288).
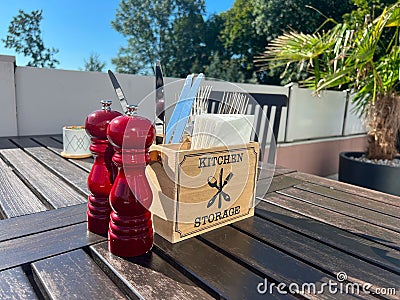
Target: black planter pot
(398, 141)
(377, 177)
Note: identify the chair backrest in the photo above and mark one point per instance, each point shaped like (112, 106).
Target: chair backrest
(266, 103)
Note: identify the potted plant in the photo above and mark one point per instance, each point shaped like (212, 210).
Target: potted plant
(365, 59)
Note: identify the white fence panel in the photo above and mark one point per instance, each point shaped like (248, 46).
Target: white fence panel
(48, 99)
(8, 114)
(353, 124)
(311, 116)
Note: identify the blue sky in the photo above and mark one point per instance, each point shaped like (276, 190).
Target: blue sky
(77, 28)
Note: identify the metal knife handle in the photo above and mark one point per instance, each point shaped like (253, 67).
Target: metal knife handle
(186, 107)
(160, 101)
(171, 126)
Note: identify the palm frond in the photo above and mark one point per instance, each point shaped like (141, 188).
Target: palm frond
(394, 19)
(341, 56)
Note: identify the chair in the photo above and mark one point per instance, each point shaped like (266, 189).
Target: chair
(265, 102)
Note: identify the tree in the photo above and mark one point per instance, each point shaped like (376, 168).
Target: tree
(216, 57)
(370, 9)
(250, 24)
(350, 55)
(274, 17)
(144, 23)
(240, 38)
(174, 31)
(94, 64)
(214, 25)
(365, 7)
(169, 30)
(228, 69)
(25, 37)
(185, 47)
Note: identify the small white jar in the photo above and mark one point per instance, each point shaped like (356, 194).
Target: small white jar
(76, 142)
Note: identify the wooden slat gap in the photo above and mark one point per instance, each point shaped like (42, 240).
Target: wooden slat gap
(72, 161)
(197, 279)
(27, 269)
(77, 190)
(125, 287)
(42, 221)
(107, 269)
(50, 256)
(74, 275)
(236, 259)
(286, 173)
(282, 192)
(362, 235)
(3, 215)
(347, 188)
(331, 245)
(261, 240)
(202, 284)
(346, 202)
(57, 139)
(351, 193)
(254, 269)
(27, 183)
(56, 147)
(39, 231)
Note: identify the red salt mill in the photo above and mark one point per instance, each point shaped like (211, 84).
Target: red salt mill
(130, 231)
(103, 172)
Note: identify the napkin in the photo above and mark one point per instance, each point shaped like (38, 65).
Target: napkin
(212, 130)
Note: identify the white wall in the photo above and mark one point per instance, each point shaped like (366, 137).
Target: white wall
(48, 99)
(8, 113)
(311, 116)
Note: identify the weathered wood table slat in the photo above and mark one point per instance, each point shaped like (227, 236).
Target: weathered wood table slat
(305, 231)
(54, 162)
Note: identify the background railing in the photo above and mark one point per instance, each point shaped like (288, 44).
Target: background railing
(41, 101)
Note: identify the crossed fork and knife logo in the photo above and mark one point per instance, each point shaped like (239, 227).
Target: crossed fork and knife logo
(219, 185)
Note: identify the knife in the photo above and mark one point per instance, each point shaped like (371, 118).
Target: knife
(182, 109)
(176, 113)
(160, 98)
(187, 105)
(118, 91)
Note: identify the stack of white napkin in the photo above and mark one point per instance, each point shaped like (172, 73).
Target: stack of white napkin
(212, 130)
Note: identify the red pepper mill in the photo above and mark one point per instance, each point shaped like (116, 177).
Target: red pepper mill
(131, 231)
(103, 172)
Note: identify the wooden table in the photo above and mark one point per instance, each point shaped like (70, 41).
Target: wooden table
(306, 230)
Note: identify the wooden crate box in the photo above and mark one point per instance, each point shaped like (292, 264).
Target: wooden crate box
(195, 191)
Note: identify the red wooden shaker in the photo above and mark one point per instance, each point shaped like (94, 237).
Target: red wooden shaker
(103, 172)
(130, 231)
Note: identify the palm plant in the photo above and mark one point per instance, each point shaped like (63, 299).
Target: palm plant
(353, 57)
